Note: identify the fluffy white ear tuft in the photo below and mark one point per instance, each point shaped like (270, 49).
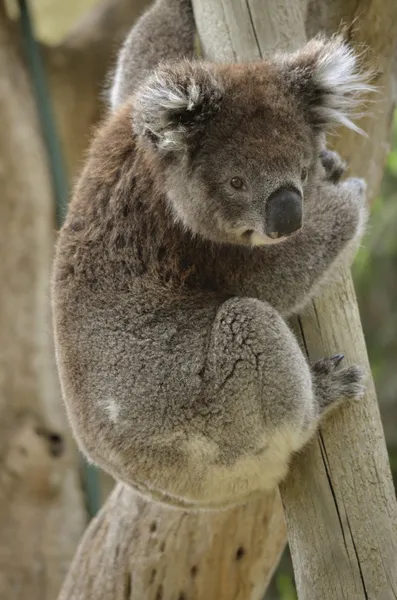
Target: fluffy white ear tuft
(174, 104)
(332, 84)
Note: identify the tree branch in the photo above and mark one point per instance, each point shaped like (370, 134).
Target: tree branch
(137, 549)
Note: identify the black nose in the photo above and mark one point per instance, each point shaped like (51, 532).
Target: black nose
(283, 212)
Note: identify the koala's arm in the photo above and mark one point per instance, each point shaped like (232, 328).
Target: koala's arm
(335, 215)
(165, 32)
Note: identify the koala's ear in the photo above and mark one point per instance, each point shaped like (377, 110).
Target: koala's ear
(325, 75)
(173, 106)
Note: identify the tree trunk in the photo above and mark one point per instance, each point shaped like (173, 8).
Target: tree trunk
(340, 502)
(42, 513)
(136, 549)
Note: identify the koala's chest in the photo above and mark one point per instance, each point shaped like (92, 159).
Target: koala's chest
(230, 275)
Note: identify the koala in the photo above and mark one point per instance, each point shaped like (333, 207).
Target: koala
(207, 213)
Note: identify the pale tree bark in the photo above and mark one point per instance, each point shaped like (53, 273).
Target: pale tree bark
(340, 505)
(139, 550)
(42, 512)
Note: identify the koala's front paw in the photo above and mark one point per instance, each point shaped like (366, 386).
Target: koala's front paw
(355, 191)
(333, 164)
(333, 386)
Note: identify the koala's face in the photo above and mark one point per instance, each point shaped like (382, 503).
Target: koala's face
(239, 144)
(244, 184)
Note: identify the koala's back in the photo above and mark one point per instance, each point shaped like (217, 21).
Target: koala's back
(120, 315)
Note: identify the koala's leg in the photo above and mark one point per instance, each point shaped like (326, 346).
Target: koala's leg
(266, 402)
(165, 32)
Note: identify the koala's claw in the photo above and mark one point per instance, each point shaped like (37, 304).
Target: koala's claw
(337, 359)
(324, 366)
(333, 386)
(334, 166)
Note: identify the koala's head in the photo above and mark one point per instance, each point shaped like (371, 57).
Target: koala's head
(239, 144)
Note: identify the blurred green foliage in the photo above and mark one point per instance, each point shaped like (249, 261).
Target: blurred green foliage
(285, 587)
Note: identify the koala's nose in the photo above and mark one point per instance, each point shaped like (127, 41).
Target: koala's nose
(283, 212)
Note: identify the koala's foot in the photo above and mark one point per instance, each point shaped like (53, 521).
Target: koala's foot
(334, 166)
(332, 386)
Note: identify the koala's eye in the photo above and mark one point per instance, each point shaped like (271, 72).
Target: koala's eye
(304, 175)
(237, 183)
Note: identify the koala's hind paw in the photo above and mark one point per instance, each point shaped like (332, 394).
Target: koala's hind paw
(334, 166)
(334, 385)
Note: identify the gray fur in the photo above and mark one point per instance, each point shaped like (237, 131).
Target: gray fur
(179, 372)
(166, 30)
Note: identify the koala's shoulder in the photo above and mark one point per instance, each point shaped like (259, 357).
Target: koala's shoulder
(113, 141)
(111, 170)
